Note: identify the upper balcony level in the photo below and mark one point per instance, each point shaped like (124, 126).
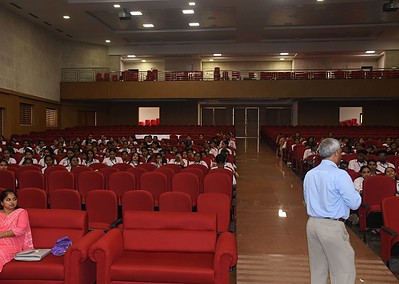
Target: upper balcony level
(101, 83)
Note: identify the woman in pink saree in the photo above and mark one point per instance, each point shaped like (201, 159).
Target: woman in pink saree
(15, 233)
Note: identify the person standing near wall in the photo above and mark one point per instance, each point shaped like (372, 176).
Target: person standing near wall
(329, 195)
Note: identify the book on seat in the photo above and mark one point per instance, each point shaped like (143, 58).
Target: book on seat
(32, 255)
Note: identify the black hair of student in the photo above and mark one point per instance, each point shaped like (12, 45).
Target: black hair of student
(363, 167)
(371, 160)
(3, 160)
(4, 195)
(52, 158)
(220, 159)
(28, 151)
(27, 159)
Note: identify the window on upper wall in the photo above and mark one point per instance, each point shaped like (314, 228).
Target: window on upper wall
(51, 117)
(25, 114)
(1, 120)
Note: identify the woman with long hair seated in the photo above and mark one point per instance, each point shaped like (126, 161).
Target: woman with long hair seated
(15, 232)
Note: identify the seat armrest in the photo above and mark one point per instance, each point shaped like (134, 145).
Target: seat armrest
(82, 246)
(111, 245)
(389, 231)
(225, 256)
(104, 252)
(115, 223)
(367, 206)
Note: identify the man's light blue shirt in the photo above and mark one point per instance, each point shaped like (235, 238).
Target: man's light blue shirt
(329, 192)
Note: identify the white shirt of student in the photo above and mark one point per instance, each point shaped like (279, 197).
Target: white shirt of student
(11, 161)
(110, 163)
(41, 162)
(356, 165)
(173, 161)
(199, 163)
(23, 160)
(358, 183)
(66, 163)
(381, 167)
(88, 163)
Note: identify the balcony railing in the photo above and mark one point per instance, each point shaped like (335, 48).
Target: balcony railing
(105, 75)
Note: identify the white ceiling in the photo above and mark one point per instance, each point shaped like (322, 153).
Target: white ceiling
(238, 29)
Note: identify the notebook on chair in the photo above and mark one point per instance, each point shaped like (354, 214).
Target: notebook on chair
(32, 255)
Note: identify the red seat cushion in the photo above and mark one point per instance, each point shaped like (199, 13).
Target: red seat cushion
(49, 268)
(164, 267)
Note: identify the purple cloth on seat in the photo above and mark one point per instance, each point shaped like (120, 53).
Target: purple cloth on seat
(61, 245)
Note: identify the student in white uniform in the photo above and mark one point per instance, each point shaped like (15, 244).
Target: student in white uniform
(198, 160)
(358, 182)
(90, 159)
(7, 157)
(178, 160)
(112, 159)
(356, 164)
(28, 155)
(382, 164)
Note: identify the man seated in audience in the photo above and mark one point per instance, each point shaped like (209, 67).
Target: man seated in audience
(356, 164)
(25, 146)
(28, 155)
(230, 141)
(382, 164)
(125, 147)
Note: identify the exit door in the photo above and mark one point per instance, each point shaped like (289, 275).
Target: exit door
(246, 123)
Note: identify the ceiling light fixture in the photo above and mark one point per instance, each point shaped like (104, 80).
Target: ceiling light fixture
(283, 53)
(194, 24)
(66, 17)
(148, 25)
(211, 59)
(107, 41)
(282, 59)
(370, 51)
(143, 60)
(187, 12)
(320, 0)
(217, 54)
(191, 3)
(131, 56)
(117, 6)
(136, 13)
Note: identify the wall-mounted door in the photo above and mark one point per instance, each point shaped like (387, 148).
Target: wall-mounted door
(246, 123)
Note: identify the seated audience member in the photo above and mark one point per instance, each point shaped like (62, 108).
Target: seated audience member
(213, 150)
(15, 232)
(343, 165)
(125, 148)
(224, 147)
(28, 155)
(358, 182)
(73, 163)
(7, 157)
(112, 159)
(3, 165)
(90, 158)
(66, 162)
(391, 172)
(382, 164)
(230, 142)
(221, 163)
(145, 153)
(41, 145)
(25, 146)
(198, 160)
(159, 161)
(155, 147)
(373, 167)
(188, 142)
(27, 161)
(178, 160)
(125, 157)
(345, 150)
(164, 156)
(135, 160)
(310, 151)
(48, 151)
(356, 164)
(88, 140)
(49, 161)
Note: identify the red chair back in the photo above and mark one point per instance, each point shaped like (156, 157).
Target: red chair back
(7, 180)
(137, 200)
(187, 182)
(175, 202)
(176, 168)
(154, 182)
(31, 179)
(218, 204)
(89, 181)
(60, 180)
(147, 166)
(30, 197)
(107, 172)
(102, 208)
(219, 183)
(77, 171)
(122, 166)
(137, 172)
(65, 199)
(169, 174)
(121, 182)
(98, 166)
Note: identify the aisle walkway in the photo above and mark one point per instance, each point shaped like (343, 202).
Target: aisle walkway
(274, 249)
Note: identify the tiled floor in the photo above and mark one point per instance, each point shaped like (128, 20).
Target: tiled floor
(274, 249)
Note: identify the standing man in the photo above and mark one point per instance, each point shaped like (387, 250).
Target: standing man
(329, 195)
